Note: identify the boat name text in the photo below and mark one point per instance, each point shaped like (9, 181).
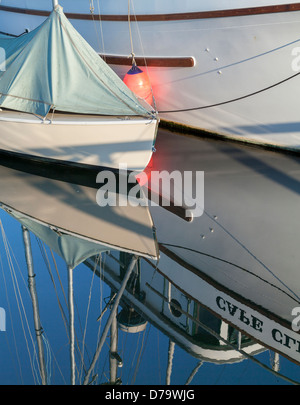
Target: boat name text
(276, 336)
(233, 310)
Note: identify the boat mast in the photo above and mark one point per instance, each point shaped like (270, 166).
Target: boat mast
(111, 317)
(71, 323)
(36, 316)
(55, 3)
(113, 349)
(170, 362)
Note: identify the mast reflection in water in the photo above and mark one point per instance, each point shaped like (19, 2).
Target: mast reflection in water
(207, 301)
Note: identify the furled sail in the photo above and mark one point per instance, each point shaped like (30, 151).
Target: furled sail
(54, 67)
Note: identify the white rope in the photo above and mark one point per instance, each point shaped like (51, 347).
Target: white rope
(12, 323)
(92, 9)
(85, 326)
(130, 35)
(18, 296)
(48, 358)
(143, 52)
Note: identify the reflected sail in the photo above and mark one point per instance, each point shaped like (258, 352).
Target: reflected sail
(61, 212)
(220, 298)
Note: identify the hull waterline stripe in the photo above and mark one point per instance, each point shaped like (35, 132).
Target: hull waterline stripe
(165, 17)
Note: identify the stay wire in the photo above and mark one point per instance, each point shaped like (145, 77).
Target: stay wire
(143, 52)
(231, 100)
(12, 324)
(18, 296)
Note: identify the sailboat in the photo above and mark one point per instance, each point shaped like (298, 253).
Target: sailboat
(61, 103)
(66, 217)
(177, 295)
(230, 68)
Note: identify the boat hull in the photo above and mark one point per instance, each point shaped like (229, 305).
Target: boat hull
(105, 142)
(155, 308)
(243, 83)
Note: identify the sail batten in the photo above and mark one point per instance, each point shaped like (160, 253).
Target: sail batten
(54, 67)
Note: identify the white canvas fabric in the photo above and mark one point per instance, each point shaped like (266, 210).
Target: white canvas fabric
(72, 249)
(54, 67)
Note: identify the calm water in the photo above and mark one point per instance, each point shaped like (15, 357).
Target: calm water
(244, 245)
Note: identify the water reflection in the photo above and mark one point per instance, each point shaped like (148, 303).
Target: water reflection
(214, 306)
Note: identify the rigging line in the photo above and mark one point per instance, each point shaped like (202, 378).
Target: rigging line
(58, 275)
(35, 374)
(194, 372)
(98, 261)
(101, 262)
(12, 324)
(85, 327)
(48, 266)
(136, 350)
(142, 350)
(46, 260)
(254, 256)
(243, 372)
(75, 306)
(101, 28)
(92, 9)
(19, 300)
(106, 85)
(110, 319)
(57, 365)
(130, 353)
(35, 362)
(76, 337)
(49, 358)
(220, 375)
(234, 347)
(64, 317)
(239, 267)
(133, 287)
(158, 356)
(143, 52)
(17, 264)
(232, 100)
(130, 34)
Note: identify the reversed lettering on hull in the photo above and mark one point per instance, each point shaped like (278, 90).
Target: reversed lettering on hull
(267, 331)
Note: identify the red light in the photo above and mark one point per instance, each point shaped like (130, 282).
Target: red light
(138, 82)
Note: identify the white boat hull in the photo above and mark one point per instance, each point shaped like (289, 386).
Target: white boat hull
(243, 83)
(106, 142)
(155, 308)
